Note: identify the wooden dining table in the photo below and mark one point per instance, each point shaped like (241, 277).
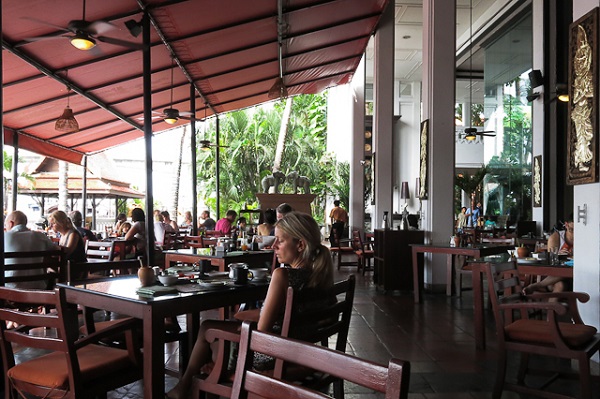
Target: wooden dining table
(119, 295)
(539, 269)
(474, 251)
(262, 258)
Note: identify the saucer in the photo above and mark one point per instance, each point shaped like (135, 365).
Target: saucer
(212, 285)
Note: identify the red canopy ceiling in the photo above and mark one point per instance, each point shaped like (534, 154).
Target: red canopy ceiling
(228, 51)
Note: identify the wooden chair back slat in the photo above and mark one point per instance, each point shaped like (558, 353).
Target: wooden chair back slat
(392, 380)
(87, 272)
(192, 242)
(99, 250)
(28, 266)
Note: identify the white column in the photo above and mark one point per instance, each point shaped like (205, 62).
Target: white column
(357, 171)
(439, 43)
(383, 119)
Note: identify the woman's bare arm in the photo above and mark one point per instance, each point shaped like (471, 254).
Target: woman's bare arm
(275, 300)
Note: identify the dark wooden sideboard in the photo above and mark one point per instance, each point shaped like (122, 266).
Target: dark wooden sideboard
(393, 258)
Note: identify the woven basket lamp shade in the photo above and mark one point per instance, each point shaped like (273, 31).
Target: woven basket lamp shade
(67, 122)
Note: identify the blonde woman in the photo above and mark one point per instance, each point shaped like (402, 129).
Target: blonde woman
(70, 239)
(297, 244)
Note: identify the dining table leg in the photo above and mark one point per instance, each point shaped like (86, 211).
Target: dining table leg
(417, 279)
(154, 356)
(449, 274)
(478, 304)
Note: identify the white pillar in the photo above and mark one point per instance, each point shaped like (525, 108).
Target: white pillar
(357, 171)
(383, 120)
(439, 48)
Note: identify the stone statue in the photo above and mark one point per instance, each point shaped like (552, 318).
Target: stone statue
(299, 181)
(274, 180)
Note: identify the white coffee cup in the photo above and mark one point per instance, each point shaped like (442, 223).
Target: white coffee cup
(260, 273)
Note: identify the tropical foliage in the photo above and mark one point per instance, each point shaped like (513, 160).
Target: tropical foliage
(506, 179)
(251, 136)
(510, 172)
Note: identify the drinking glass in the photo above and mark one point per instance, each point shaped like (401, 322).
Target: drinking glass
(553, 253)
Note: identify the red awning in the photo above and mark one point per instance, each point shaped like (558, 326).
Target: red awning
(228, 51)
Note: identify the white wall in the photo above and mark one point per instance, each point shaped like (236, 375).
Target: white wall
(587, 236)
(407, 143)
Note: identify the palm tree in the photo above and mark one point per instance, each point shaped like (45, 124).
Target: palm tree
(175, 201)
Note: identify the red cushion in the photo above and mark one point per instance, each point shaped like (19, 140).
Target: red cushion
(51, 370)
(539, 331)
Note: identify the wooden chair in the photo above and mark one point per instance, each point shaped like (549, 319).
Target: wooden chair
(169, 240)
(39, 269)
(71, 367)
(192, 242)
(338, 250)
(99, 251)
(326, 321)
(568, 339)
(364, 254)
(392, 380)
(466, 267)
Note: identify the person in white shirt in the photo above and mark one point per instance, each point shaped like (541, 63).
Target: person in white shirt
(18, 238)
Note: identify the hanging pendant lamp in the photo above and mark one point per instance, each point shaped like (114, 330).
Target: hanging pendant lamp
(278, 90)
(66, 122)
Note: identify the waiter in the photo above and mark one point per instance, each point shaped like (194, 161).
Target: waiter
(339, 218)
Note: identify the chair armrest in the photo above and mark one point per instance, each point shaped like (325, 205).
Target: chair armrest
(555, 307)
(120, 326)
(213, 334)
(571, 298)
(213, 382)
(580, 296)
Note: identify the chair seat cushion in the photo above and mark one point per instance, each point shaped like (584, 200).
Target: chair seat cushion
(50, 370)
(539, 331)
(344, 249)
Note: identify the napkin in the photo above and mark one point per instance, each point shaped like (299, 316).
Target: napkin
(156, 290)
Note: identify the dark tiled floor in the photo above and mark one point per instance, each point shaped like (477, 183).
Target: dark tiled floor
(435, 336)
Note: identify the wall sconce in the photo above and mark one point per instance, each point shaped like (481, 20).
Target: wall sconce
(536, 78)
(562, 92)
(533, 96)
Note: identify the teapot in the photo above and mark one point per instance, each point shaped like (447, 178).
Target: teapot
(239, 273)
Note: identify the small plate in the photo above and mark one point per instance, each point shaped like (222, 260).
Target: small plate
(212, 285)
(528, 261)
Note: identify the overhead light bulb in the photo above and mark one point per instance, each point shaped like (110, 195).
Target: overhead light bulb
(470, 136)
(83, 42)
(170, 120)
(563, 97)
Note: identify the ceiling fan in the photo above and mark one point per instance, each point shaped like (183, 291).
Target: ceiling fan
(83, 34)
(172, 115)
(471, 133)
(206, 145)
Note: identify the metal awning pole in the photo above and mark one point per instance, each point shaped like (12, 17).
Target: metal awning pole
(193, 160)
(1, 145)
(147, 84)
(15, 170)
(217, 170)
(84, 193)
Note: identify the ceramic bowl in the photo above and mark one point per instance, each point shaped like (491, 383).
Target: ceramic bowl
(168, 279)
